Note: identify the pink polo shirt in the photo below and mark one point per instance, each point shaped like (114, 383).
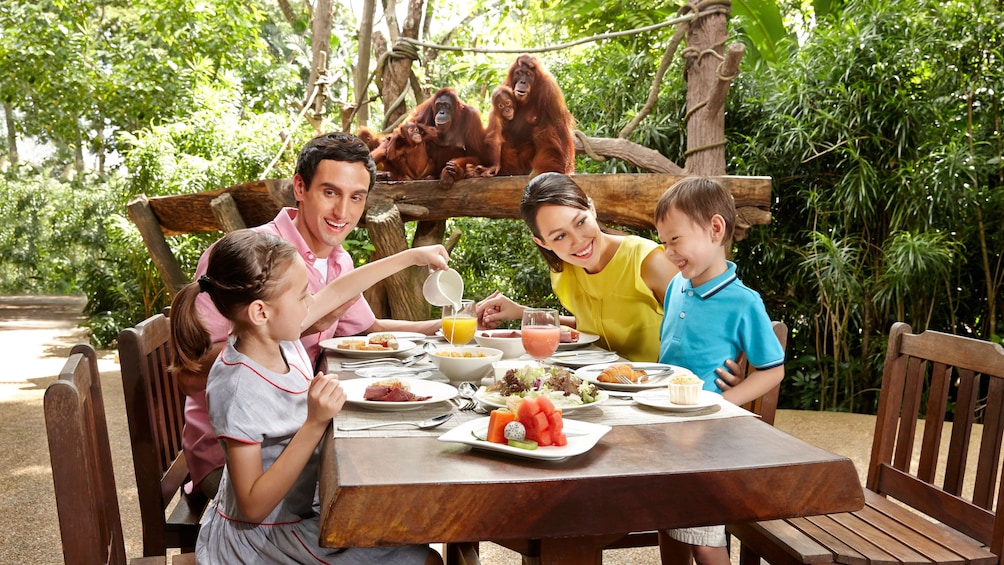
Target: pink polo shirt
(202, 450)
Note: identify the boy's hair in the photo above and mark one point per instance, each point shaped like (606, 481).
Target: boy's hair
(336, 146)
(244, 266)
(700, 199)
(553, 189)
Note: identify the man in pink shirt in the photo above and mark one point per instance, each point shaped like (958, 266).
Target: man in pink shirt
(334, 174)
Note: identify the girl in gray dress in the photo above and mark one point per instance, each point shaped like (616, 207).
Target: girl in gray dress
(264, 405)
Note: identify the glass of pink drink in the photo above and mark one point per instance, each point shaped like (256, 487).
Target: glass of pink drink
(541, 332)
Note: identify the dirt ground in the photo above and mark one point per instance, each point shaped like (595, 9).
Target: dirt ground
(36, 333)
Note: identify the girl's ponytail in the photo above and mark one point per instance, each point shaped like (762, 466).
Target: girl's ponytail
(190, 337)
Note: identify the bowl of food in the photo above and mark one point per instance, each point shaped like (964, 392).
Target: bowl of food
(510, 342)
(465, 363)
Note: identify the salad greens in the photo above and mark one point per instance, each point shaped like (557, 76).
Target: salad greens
(557, 383)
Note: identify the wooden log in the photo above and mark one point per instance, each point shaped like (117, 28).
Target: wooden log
(226, 212)
(404, 287)
(621, 199)
(143, 216)
(627, 151)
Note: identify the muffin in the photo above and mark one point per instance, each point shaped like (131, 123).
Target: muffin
(685, 388)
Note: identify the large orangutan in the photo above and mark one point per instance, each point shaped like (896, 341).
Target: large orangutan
(403, 154)
(538, 139)
(459, 140)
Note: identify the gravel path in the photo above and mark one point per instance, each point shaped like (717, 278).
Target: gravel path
(36, 333)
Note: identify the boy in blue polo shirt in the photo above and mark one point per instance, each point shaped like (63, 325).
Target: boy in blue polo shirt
(710, 316)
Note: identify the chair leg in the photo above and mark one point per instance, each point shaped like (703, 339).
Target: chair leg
(747, 556)
(462, 554)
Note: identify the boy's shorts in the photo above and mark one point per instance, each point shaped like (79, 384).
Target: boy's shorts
(709, 536)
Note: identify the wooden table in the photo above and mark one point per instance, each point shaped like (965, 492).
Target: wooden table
(383, 491)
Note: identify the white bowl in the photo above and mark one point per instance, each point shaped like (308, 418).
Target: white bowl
(459, 369)
(511, 347)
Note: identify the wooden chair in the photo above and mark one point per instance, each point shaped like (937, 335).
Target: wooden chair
(82, 473)
(936, 516)
(155, 407)
(765, 407)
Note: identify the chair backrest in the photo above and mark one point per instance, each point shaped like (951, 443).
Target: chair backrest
(940, 386)
(82, 473)
(766, 405)
(155, 407)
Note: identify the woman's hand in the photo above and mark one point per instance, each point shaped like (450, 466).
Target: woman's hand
(497, 308)
(728, 376)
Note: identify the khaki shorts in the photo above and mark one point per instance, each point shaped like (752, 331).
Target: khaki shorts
(709, 536)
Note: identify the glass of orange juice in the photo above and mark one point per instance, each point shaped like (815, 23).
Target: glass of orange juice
(459, 322)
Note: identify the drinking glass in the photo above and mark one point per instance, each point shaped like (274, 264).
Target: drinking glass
(459, 322)
(541, 332)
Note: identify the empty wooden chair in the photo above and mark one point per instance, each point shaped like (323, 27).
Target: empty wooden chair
(925, 501)
(90, 525)
(155, 407)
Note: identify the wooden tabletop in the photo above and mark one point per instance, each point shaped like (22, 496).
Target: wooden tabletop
(386, 491)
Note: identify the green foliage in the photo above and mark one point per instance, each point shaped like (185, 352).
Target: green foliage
(50, 230)
(75, 72)
(885, 170)
(514, 268)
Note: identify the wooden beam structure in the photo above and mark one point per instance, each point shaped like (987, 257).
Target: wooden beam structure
(621, 199)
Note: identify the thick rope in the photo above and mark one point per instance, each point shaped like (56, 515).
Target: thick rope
(600, 37)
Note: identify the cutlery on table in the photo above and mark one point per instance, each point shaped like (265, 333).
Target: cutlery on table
(407, 361)
(419, 373)
(423, 425)
(579, 354)
(647, 378)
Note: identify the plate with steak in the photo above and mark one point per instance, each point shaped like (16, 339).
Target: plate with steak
(395, 394)
(570, 338)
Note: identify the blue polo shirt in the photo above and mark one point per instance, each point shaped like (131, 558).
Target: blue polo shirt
(704, 326)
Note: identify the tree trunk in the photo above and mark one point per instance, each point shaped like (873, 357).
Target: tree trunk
(397, 69)
(8, 114)
(320, 42)
(706, 126)
(361, 79)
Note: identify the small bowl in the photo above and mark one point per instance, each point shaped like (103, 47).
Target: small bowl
(459, 369)
(511, 347)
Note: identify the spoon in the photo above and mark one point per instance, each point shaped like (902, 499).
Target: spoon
(467, 389)
(423, 425)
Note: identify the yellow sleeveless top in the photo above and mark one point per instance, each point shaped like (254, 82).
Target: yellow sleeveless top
(615, 303)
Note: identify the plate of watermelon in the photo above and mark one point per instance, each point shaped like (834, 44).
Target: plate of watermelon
(581, 437)
(535, 430)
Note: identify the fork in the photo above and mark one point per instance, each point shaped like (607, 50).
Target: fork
(647, 377)
(383, 361)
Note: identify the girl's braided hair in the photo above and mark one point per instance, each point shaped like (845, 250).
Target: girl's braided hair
(244, 266)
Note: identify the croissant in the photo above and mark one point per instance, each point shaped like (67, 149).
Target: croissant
(610, 374)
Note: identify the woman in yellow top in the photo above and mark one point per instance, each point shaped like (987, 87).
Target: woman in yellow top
(614, 285)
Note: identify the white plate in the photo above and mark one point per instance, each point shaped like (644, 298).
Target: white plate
(402, 335)
(584, 340)
(659, 398)
(356, 388)
(403, 345)
(497, 401)
(591, 373)
(585, 437)
(583, 358)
